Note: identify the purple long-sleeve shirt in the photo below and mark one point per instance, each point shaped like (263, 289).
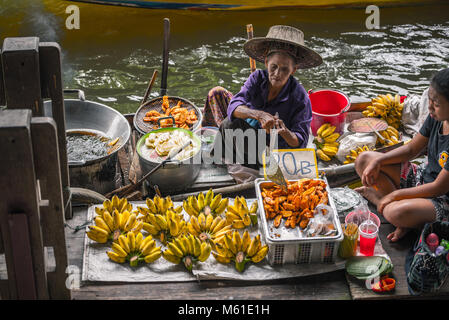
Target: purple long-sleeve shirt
(292, 104)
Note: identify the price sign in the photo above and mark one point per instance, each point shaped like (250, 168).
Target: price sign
(295, 163)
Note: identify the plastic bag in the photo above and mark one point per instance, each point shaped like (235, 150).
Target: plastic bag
(351, 141)
(415, 112)
(322, 222)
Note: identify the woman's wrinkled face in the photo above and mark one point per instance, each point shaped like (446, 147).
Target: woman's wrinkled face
(438, 105)
(280, 66)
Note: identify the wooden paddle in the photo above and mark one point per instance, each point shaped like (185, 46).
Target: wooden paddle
(150, 85)
(252, 62)
(165, 52)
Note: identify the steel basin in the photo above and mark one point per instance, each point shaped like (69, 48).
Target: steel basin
(82, 115)
(173, 176)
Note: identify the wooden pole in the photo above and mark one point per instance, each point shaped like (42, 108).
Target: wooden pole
(223, 190)
(165, 57)
(150, 85)
(249, 31)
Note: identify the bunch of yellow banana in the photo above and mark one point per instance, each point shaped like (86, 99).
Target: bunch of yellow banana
(240, 250)
(354, 153)
(389, 134)
(115, 204)
(207, 204)
(325, 141)
(112, 226)
(188, 249)
(239, 216)
(386, 107)
(134, 249)
(209, 229)
(158, 205)
(165, 226)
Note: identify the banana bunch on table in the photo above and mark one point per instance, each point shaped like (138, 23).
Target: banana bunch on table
(239, 215)
(209, 229)
(187, 249)
(110, 227)
(386, 107)
(134, 249)
(240, 250)
(389, 134)
(165, 226)
(354, 153)
(325, 141)
(207, 204)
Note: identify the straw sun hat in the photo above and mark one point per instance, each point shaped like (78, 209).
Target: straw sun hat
(283, 38)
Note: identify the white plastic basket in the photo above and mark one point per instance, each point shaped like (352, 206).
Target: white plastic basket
(291, 246)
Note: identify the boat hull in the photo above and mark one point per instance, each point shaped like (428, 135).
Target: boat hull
(244, 4)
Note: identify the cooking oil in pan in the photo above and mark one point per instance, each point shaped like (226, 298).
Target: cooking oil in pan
(84, 146)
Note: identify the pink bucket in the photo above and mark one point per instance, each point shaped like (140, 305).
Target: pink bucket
(328, 106)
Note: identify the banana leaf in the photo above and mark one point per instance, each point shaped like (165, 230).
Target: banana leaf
(364, 268)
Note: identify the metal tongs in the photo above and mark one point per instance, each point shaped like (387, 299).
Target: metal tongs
(273, 171)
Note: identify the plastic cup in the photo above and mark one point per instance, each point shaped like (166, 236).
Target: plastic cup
(368, 236)
(348, 246)
(358, 217)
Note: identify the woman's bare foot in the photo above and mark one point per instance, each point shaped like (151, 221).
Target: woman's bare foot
(397, 234)
(369, 194)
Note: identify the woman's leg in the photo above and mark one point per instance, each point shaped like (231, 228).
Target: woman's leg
(388, 180)
(216, 106)
(409, 214)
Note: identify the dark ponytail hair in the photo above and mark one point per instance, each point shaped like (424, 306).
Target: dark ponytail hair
(440, 82)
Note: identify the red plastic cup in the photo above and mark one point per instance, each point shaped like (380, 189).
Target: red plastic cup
(368, 236)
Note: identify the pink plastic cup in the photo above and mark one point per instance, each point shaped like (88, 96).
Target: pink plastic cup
(359, 217)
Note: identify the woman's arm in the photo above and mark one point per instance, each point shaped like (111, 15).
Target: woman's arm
(290, 137)
(404, 153)
(438, 187)
(266, 120)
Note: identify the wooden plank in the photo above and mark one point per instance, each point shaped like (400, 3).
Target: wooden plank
(20, 195)
(46, 164)
(2, 85)
(326, 286)
(4, 292)
(20, 59)
(51, 82)
(21, 256)
(359, 104)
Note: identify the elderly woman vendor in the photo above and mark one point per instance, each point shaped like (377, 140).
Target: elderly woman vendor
(271, 98)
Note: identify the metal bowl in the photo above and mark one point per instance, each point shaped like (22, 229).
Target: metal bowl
(82, 115)
(173, 176)
(156, 104)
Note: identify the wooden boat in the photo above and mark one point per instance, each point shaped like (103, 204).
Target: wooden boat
(244, 4)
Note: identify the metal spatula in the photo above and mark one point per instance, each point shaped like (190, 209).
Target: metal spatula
(272, 169)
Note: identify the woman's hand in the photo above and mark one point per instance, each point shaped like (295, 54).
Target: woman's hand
(284, 132)
(267, 121)
(370, 174)
(280, 125)
(389, 198)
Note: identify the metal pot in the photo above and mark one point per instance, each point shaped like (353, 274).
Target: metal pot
(173, 176)
(82, 115)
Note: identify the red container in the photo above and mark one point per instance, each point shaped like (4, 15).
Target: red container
(328, 105)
